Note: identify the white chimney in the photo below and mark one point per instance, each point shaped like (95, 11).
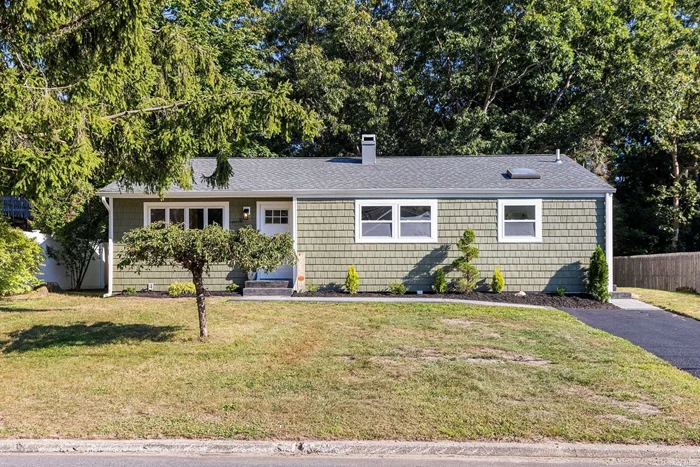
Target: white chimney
(369, 149)
(558, 158)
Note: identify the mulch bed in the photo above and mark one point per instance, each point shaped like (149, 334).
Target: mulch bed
(541, 299)
(153, 294)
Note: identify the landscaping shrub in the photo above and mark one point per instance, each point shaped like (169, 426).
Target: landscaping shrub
(561, 291)
(129, 291)
(440, 284)
(352, 281)
(497, 281)
(462, 285)
(598, 276)
(397, 288)
(181, 288)
(232, 287)
(470, 274)
(20, 258)
(311, 287)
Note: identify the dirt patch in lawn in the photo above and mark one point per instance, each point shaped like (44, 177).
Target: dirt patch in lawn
(478, 355)
(534, 298)
(456, 322)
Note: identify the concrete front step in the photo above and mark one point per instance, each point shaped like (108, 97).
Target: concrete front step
(264, 284)
(267, 292)
(620, 295)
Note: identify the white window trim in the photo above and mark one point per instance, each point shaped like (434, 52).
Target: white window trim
(186, 205)
(395, 216)
(502, 203)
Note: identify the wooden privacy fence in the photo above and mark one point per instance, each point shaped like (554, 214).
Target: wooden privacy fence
(668, 271)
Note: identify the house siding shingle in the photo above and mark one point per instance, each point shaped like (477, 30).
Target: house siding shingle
(571, 229)
(128, 215)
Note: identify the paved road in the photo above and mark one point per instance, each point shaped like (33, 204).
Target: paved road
(111, 460)
(674, 338)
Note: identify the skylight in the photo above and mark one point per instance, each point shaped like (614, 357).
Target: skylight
(523, 173)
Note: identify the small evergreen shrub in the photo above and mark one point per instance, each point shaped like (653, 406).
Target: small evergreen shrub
(598, 276)
(352, 280)
(233, 287)
(561, 291)
(440, 284)
(462, 285)
(311, 287)
(470, 274)
(181, 288)
(397, 288)
(129, 291)
(497, 281)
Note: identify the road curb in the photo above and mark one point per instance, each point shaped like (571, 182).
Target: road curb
(354, 448)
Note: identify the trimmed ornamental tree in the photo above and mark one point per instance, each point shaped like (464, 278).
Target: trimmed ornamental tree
(470, 274)
(197, 249)
(598, 276)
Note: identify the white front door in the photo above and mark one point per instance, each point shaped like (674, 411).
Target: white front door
(275, 217)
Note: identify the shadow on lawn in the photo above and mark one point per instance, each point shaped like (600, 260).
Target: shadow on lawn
(42, 336)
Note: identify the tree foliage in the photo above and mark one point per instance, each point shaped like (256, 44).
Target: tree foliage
(132, 89)
(20, 259)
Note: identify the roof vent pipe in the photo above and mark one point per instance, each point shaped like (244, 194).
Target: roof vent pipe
(369, 149)
(558, 159)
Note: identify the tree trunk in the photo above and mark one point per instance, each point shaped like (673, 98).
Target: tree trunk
(201, 310)
(676, 175)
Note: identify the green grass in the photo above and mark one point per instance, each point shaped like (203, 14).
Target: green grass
(685, 303)
(73, 366)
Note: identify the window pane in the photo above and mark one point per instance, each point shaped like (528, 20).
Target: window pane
(177, 216)
(415, 213)
(157, 215)
(268, 212)
(513, 213)
(284, 220)
(415, 229)
(284, 213)
(376, 213)
(376, 229)
(268, 219)
(196, 218)
(519, 229)
(216, 216)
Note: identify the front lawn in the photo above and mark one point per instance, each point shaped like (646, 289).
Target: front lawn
(74, 366)
(685, 303)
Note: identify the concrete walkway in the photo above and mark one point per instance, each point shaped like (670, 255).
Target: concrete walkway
(305, 449)
(384, 300)
(632, 304)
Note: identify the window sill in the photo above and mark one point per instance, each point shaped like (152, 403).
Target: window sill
(396, 240)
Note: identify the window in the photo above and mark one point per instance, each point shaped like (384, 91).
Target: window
(519, 220)
(396, 221)
(277, 216)
(192, 215)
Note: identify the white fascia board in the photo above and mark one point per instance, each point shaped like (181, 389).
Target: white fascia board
(370, 194)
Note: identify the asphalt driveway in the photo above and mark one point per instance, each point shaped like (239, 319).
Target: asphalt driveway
(674, 338)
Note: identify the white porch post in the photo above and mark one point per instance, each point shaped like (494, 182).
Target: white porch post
(609, 237)
(110, 245)
(294, 238)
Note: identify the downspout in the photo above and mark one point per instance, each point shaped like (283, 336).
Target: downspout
(609, 237)
(110, 246)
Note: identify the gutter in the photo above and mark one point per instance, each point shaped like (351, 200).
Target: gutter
(110, 245)
(369, 193)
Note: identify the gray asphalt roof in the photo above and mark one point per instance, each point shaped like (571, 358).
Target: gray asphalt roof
(453, 174)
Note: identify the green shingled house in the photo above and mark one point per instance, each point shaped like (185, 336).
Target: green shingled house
(538, 217)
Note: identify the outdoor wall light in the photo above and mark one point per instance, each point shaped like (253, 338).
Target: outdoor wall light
(246, 213)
